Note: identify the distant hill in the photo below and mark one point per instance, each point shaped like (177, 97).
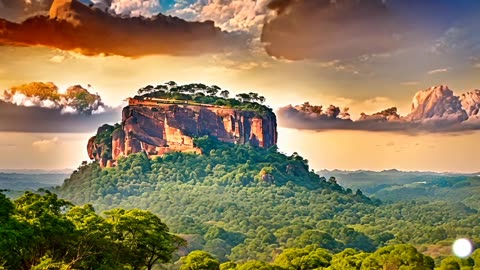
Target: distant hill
(37, 171)
(396, 185)
(30, 180)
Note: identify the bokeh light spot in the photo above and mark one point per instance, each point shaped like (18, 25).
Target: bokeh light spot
(462, 248)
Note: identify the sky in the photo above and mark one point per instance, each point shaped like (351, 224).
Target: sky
(367, 56)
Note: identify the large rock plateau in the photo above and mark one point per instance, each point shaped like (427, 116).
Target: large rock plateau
(157, 129)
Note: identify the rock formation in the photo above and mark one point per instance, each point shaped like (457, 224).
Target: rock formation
(471, 102)
(436, 103)
(157, 129)
(390, 114)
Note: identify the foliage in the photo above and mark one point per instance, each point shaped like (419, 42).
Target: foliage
(198, 93)
(104, 138)
(45, 232)
(310, 257)
(199, 260)
(221, 198)
(398, 257)
(38, 89)
(75, 97)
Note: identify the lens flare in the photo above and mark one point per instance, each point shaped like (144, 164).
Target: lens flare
(462, 248)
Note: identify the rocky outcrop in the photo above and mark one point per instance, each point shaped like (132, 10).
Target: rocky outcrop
(471, 102)
(390, 114)
(436, 103)
(157, 129)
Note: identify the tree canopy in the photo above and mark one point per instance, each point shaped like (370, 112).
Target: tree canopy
(46, 232)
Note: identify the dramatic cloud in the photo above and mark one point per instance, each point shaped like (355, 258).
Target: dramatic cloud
(38, 107)
(17, 10)
(230, 15)
(435, 109)
(344, 29)
(76, 100)
(75, 27)
(134, 8)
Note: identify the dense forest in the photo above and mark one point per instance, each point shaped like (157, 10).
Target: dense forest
(46, 232)
(242, 203)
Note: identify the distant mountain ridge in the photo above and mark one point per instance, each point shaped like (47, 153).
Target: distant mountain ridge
(340, 171)
(395, 185)
(435, 109)
(37, 171)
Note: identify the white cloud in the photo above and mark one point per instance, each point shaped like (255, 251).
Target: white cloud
(45, 144)
(135, 8)
(69, 110)
(340, 66)
(57, 59)
(230, 15)
(436, 71)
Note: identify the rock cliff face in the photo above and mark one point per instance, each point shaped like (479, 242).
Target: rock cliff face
(471, 102)
(162, 128)
(436, 103)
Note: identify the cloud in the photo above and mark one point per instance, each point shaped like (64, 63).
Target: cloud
(436, 71)
(57, 59)
(16, 118)
(230, 15)
(135, 8)
(39, 107)
(347, 29)
(45, 144)
(90, 31)
(18, 10)
(377, 103)
(76, 100)
(433, 110)
(409, 83)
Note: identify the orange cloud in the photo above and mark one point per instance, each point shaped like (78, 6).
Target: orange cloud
(73, 26)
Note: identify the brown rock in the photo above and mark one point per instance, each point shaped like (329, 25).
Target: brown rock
(91, 147)
(157, 129)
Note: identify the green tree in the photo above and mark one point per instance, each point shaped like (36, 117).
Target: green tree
(255, 265)
(310, 257)
(228, 266)
(476, 259)
(143, 236)
(224, 94)
(348, 259)
(455, 263)
(199, 260)
(450, 263)
(397, 256)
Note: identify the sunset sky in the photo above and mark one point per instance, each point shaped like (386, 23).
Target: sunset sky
(367, 55)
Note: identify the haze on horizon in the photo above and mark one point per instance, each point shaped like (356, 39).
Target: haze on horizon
(327, 58)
